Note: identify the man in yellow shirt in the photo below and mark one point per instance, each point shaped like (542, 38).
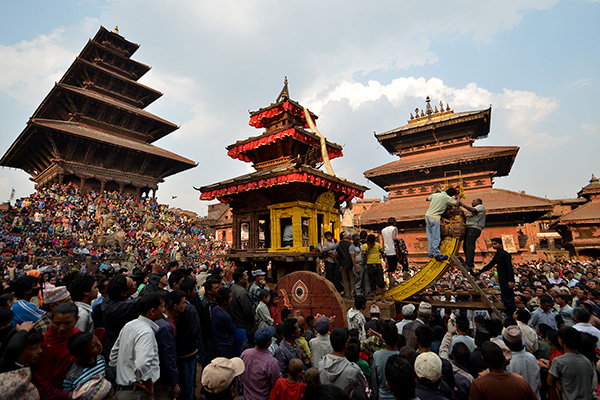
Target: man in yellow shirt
(373, 253)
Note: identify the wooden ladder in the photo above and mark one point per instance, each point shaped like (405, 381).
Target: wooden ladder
(485, 296)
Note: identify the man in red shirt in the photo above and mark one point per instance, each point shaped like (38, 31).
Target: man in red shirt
(499, 384)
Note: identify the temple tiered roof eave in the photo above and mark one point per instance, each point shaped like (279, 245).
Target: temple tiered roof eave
(26, 142)
(586, 214)
(281, 175)
(118, 42)
(146, 95)
(134, 69)
(239, 148)
(496, 202)
(426, 164)
(44, 110)
(479, 122)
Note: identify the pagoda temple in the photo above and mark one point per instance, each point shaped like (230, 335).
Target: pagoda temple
(436, 148)
(91, 130)
(287, 192)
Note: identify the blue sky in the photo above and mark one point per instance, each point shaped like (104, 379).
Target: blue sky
(361, 66)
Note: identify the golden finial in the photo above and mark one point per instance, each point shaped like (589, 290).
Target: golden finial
(428, 106)
(116, 29)
(422, 114)
(285, 93)
(594, 179)
(411, 116)
(435, 111)
(447, 107)
(441, 106)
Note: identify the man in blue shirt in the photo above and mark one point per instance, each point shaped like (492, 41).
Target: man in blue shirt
(25, 288)
(544, 313)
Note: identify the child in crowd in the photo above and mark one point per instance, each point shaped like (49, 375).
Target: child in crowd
(310, 328)
(23, 348)
(87, 349)
(263, 316)
(277, 339)
(274, 309)
(290, 388)
(302, 341)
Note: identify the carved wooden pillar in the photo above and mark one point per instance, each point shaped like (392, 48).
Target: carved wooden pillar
(60, 178)
(102, 182)
(121, 188)
(81, 184)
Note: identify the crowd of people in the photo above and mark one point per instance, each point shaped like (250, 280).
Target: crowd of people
(164, 331)
(175, 325)
(64, 225)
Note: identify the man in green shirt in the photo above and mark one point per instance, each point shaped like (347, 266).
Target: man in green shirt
(439, 202)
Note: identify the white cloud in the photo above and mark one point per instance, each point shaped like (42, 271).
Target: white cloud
(29, 68)
(521, 112)
(585, 81)
(590, 129)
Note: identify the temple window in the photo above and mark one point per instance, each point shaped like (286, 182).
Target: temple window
(264, 231)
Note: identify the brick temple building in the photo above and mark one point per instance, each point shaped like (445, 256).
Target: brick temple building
(91, 130)
(580, 226)
(436, 148)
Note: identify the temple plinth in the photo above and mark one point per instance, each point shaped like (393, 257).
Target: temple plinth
(287, 195)
(91, 130)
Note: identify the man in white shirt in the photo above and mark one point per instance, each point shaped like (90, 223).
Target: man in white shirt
(387, 240)
(408, 311)
(522, 362)
(348, 218)
(582, 318)
(522, 315)
(135, 353)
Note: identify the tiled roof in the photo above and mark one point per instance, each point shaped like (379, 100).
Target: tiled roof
(585, 243)
(445, 157)
(586, 212)
(496, 201)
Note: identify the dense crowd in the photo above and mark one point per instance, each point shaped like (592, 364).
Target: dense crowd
(148, 333)
(172, 325)
(61, 225)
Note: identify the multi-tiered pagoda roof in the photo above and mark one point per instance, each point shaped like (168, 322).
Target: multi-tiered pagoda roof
(92, 129)
(436, 148)
(285, 154)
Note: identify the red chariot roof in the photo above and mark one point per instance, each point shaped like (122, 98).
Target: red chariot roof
(239, 149)
(280, 176)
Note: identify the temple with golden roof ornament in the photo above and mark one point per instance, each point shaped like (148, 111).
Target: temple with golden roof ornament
(281, 211)
(435, 148)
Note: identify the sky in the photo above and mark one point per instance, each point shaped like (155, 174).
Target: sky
(362, 67)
